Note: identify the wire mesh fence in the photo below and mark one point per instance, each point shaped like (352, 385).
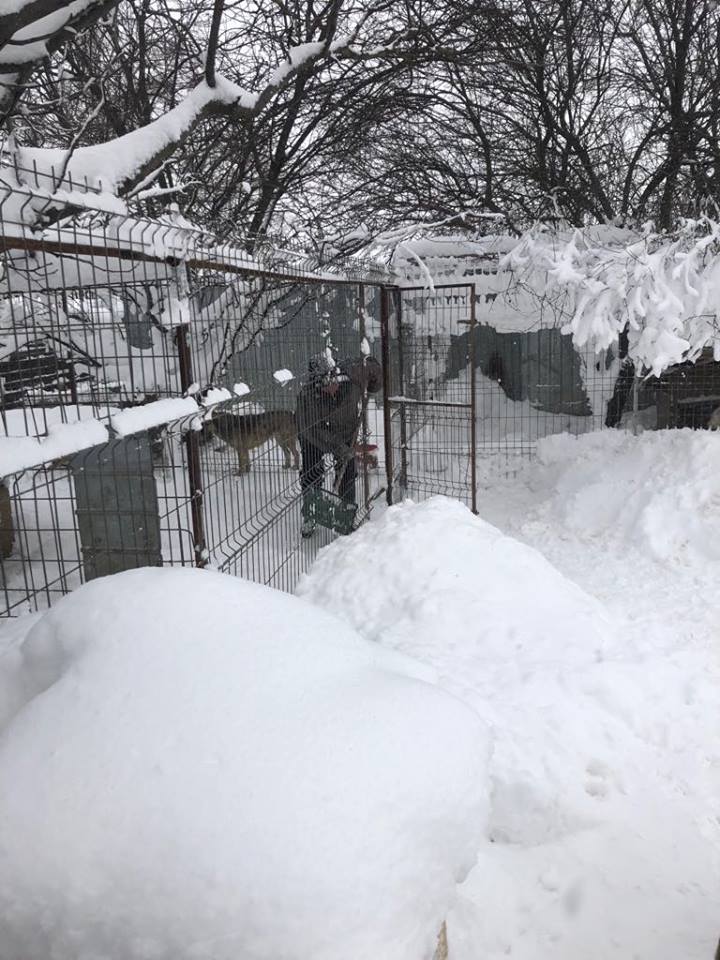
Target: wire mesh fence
(431, 403)
(149, 384)
(165, 399)
(469, 400)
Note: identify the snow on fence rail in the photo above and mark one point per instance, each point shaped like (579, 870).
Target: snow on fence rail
(106, 232)
(122, 342)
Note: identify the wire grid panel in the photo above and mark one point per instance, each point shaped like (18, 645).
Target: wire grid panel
(251, 452)
(468, 385)
(513, 388)
(431, 406)
(102, 321)
(99, 511)
(533, 384)
(130, 502)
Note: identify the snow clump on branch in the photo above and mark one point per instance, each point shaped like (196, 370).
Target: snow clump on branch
(665, 287)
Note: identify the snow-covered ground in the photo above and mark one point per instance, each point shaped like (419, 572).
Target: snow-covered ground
(578, 617)
(585, 633)
(201, 768)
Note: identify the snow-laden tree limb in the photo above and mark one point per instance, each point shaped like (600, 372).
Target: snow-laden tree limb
(45, 17)
(119, 165)
(663, 288)
(30, 30)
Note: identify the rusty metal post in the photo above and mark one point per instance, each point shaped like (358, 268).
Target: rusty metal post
(72, 380)
(387, 424)
(401, 386)
(473, 400)
(193, 452)
(364, 425)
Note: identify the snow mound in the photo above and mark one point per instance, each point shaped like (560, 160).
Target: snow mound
(505, 631)
(597, 852)
(12, 673)
(433, 568)
(658, 492)
(206, 768)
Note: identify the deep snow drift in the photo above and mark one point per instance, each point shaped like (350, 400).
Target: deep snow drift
(658, 492)
(206, 768)
(13, 675)
(522, 644)
(606, 757)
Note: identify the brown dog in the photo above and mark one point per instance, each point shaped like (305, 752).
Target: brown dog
(245, 433)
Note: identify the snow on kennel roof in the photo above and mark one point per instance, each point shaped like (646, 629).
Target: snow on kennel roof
(430, 263)
(455, 246)
(503, 300)
(462, 256)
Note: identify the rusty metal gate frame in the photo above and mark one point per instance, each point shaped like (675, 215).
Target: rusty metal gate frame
(397, 403)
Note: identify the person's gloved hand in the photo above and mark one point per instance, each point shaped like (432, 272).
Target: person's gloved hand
(367, 374)
(373, 372)
(343, 452)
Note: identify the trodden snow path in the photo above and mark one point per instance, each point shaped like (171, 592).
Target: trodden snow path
(599, 674)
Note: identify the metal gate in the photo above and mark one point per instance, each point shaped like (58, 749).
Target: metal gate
(431, 392)
(469, 397)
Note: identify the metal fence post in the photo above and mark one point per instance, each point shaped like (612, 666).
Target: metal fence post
(364, 407)
(193, 452)
(473, 400)
(401, 384)
(387, 425)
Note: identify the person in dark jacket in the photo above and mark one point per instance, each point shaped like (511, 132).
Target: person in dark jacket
(328, 416)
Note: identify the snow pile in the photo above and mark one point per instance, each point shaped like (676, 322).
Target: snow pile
(13, 691)
(604, 736)
(434, 560)
(657, 492)
(505, 631)
(209, 769)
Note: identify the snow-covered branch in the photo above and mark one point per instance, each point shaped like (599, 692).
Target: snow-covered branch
(119, 165)
(32, 29)
(663, 287)
(24, 23)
